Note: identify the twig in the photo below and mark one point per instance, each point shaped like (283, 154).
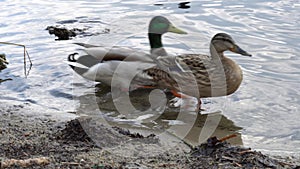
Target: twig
(167, 165)
(234, 161)
(70, 163)
(229, 158)
(245, 151)
(238, 164)
(285, 163)
(25, 163)
(25, 53)
(227, 137)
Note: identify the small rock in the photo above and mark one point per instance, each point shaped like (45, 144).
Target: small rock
(3, 62)
(61, 33)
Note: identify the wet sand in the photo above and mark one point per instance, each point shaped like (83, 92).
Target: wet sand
(57, 140)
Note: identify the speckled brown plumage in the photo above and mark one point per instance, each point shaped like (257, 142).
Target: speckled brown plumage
(161, 77)
(201, 75)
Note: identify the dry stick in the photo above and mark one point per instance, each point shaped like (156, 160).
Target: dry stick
(25, 52)
(238, 164)
(227, 137)
(25, 163)
(246, 151)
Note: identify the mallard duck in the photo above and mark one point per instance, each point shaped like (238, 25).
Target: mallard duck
(121, 63)
(201, 75)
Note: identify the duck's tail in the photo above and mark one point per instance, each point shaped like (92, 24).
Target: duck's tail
(82, 64)
(71, 58)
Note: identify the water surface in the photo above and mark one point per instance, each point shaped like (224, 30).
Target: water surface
(266, 106)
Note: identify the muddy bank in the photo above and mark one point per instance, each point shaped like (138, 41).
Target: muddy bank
(56, 142)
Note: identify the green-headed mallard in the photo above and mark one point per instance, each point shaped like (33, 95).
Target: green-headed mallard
(201, 75)
(121, 63)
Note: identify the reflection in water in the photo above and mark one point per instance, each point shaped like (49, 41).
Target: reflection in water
(150, 116)
(199, 133)
(3, 80)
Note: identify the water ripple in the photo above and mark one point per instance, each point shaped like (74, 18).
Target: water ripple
(266, 105)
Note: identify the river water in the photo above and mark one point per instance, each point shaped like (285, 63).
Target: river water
(265, 110)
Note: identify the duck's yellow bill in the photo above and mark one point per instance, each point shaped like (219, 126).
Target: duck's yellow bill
(174, 29)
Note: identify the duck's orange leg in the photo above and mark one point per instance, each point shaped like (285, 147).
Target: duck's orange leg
(183, 96)
(180, 95)
(144, 87)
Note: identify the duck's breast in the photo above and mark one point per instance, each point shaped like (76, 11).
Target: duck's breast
(234, 75)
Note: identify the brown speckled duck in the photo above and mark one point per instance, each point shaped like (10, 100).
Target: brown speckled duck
(201, 75)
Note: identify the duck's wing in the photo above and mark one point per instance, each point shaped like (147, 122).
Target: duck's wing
(86, 45)
(183, 72)
(115, 53)
(193, 62)
(182, 63)
(113, 65)
(208, 75)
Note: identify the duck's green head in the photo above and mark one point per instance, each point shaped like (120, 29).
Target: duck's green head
(223, 42)
(161, 25)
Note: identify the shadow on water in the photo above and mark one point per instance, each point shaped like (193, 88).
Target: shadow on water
(191, 127)
(3, 80)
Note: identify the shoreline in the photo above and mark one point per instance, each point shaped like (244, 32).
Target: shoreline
(62, 143)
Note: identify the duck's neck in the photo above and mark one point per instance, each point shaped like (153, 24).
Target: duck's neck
(155, 40)
(214, 53)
